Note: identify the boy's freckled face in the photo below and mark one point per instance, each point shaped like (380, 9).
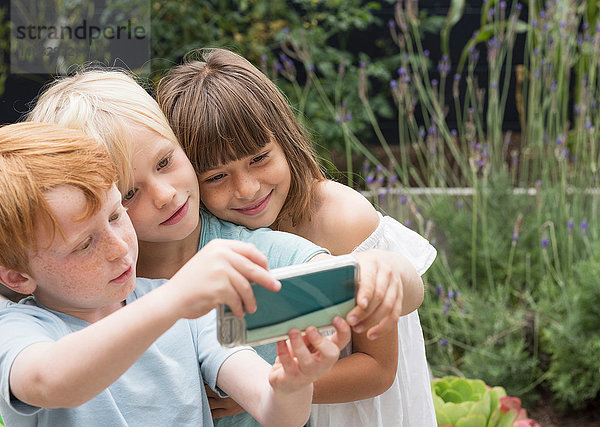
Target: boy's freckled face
(164, 202)
(92, 269)
(250, 191)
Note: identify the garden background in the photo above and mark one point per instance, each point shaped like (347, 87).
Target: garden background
(474, 123)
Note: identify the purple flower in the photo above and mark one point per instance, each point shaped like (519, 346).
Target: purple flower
(446, 306)
(545, 242)
(443, 342)
(426, 53)
(393, 84)
(515, 235)
(438, 290)
(391, 23)
(401, 71)
(451, 294)
(583, 226)
(403, 199)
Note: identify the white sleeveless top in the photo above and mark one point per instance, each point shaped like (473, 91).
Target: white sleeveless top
(408, 402)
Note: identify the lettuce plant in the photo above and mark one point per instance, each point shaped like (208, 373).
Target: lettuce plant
(462, 402)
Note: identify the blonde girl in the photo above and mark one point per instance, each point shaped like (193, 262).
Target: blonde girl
(257, 168)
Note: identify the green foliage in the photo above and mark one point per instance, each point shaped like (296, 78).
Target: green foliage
(572, 337)
(465, 403)
(511, 294)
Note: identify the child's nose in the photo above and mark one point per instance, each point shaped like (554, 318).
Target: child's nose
(246, 187)
(118, 247)
(162, 194)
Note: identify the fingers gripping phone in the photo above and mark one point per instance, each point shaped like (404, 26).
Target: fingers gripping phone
(311, 294)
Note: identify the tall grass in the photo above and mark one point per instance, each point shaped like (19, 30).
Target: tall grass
(509, 293)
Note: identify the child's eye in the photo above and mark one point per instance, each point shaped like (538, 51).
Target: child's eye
(260, 158)
(85, 244)
(129, 195)
(115, 216)
(216, 177)
(164, 163)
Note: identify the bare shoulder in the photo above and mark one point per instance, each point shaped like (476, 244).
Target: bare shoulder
(346, 218)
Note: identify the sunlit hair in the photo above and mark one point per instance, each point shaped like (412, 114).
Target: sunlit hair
(223, 109)
(35, 158)
(108, 105)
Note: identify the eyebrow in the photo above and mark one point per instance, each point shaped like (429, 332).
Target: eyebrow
(72, 242)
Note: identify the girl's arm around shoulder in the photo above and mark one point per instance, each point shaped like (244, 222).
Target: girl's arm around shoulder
(344, 218)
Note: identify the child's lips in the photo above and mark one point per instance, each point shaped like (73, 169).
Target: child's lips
(256, 208)
(123, 277)
(177, 215)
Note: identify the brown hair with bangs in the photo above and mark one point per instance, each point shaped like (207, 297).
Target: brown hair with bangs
(223, 109)
(34, 159)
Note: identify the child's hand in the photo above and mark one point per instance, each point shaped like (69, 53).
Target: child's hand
(222, 406)
(389, 287)
(302, 360)
(220, 273)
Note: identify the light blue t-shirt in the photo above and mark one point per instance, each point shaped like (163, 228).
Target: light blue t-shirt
(165, 386)
(281, 249)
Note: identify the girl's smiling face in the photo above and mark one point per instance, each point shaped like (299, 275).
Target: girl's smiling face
(163, 202)
(250, 191)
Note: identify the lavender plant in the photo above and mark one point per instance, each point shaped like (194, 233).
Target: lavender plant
(510, 246)
(511, 213)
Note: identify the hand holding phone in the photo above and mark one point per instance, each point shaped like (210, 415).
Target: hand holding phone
(311, 294)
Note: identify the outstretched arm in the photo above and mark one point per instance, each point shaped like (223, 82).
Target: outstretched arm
(56, 374)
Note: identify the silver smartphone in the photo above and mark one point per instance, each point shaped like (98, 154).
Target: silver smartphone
(311, 294)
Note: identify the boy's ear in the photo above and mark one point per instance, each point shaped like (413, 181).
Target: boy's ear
(18, 282)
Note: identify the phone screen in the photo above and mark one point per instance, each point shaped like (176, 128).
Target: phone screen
(310, 299)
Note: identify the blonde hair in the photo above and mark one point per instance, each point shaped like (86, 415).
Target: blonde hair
(107, 105)
(223, 109)
(35, 158)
